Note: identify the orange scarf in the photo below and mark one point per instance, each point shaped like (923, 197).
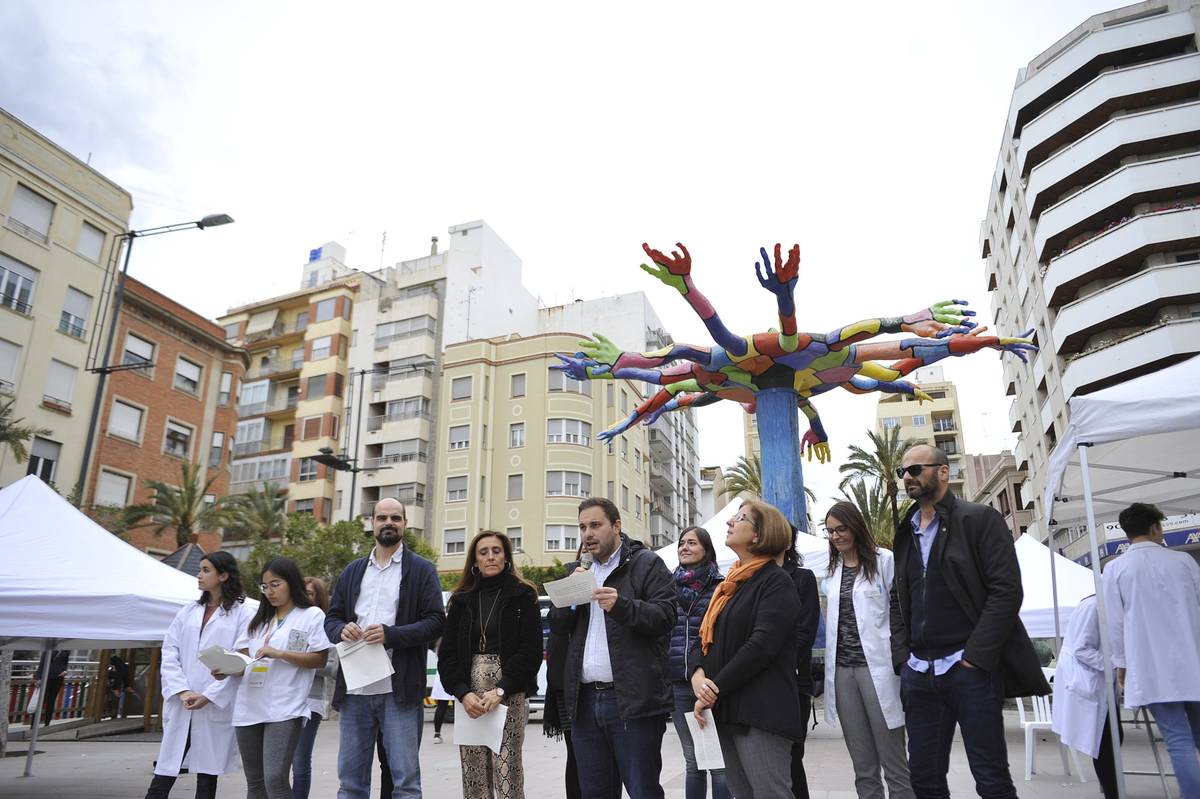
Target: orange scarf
(740, 573)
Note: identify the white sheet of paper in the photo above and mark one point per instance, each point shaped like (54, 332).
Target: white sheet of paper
(487, 730)
(363, 663)
(224, 660)
(574, 589)
(706, 742)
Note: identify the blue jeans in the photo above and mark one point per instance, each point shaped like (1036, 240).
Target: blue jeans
(696, 786)
(602, 739)
(1179, 723)
(361, 720)
(302, 760)
(974, 700)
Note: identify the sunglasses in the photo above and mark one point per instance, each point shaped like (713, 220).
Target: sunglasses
(915, 469)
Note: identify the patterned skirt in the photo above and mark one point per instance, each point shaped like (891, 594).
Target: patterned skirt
(486, 774)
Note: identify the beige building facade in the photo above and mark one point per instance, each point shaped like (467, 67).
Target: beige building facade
(60, 226)
(996, 481)
(938, 422)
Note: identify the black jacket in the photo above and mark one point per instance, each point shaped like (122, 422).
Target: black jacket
(520, 639)
(752, 658)
(419, 621)
(638, 627)
(810, 615)
(975, 555)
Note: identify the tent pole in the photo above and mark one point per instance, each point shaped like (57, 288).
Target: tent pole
(1114, 724)
(1054, 591)
(43, 684)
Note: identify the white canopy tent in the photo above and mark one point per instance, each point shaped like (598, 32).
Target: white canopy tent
(1037, 608)
(1134, 442)
(67, 583)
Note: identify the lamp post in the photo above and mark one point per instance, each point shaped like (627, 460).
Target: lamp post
(105, 368)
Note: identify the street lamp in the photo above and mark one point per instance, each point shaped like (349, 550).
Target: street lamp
(105, 368)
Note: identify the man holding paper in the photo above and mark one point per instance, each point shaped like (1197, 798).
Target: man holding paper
(390, 599)
(616, 670)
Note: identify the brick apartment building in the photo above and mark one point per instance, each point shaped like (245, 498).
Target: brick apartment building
(179, 408)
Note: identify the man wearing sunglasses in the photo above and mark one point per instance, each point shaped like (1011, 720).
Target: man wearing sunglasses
(957, 641)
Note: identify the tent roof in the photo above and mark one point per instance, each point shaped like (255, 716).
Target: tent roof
(65, 578)
(1144, 438)
(1037, 608)
(186, 559)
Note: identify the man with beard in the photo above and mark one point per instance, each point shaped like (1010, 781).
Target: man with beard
(391, 597)
(957, 641)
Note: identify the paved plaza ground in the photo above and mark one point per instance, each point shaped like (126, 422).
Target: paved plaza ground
(120, 767)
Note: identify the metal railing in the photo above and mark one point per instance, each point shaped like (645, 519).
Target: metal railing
(20, 306)
(277, 365)
(71, 328)
(276, 330)
(387, 460)
(26, 230)
(55, 402)
(944, 426)
(376, 422)
(72, 700)
(241, 448)
(7, 387)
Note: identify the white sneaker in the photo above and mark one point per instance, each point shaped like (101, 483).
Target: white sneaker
(437, 738)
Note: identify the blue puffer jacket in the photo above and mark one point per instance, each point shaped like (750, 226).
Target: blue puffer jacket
(688, 616)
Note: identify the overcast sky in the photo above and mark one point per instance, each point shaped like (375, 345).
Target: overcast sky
(866, 132)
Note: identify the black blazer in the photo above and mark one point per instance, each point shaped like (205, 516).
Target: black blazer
(753, 656)
(810, 614)
(520, 640)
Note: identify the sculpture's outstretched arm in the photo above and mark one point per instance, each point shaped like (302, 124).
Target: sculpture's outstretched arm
(814, 438)
(918, 352)
(781, 281)
(676, 271)
(940, 320)
(603, 352)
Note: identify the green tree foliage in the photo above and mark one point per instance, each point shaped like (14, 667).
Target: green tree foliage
(182, 507)
(878, 465)
(14, 432)
(259, 513)
(872, 501)
(745, 476)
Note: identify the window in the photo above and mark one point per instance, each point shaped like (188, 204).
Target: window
(16, 285)
(890, 422)
(178, 440)
(920, 420)
(310, 428)
(637, 505)
(624, 402)
(570, 431)
(624, 448)
(325, 309)
(74, 313)
(516, 434)
(610, 393)
(43, 457)
(307, 470)
(113, 489)
(60, 384)
(560, 381)
(624, 496)
(568, 484)
(407, 408)
(231, 331)
(456, 488)
(10, 356)
(517, 385)
(460, 436)
(338, 384)
(125, 421)
(460, 388)
(187, 375)
(226, 385)
(412, 449)
(30, 214)
(561, 537)
(217, 450)
(322, 347)
(387, 332)
(514, 535)
(138, 350)
(91, 242)
(611, 492)
(302, 321)
(315, 387)
(454, 541)
(304, 506)
(637, 460)
(516, 486)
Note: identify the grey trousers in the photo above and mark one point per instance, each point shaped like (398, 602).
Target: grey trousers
(267, 751)
(757, 763)
(870, 742)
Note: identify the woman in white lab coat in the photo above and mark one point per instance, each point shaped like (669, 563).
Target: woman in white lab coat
(862, 691)
(197, 708)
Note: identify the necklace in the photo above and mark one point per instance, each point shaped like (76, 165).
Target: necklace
(482, 621)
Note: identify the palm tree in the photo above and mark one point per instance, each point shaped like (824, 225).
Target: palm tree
(183, 507)
(746, 477)
(872, 501)
(261, 512)
(879, 466)
(14, 432)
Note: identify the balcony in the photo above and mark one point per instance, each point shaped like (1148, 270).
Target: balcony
(1021, 455)
(1129, 302)
(278, 366)
(7, 387)
(1047, 415)
(660, 447)
(1120, 251)
(1130, 357)
(1039, 368)
(279, 404)
(243, 448)
(367, 506)
(277, 330)
(251, 409)
(1114, 196)
(1014, 416)
(17, 304)
(661, 483)
(390, 460)
(27, 231)
(71, 327)
(1138, 85)
(944, 426)
(376, 422)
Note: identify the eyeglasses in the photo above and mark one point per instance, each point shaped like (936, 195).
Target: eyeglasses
(840, 530)
(915, 469)
(744, 517)
(264, 587)
(383, 517)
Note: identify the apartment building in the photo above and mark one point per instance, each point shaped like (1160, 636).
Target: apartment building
(996, 481)
(176, 408)
(520, 450)
(1092, 230)
(290, 403)
(62, 223)
(938, 422)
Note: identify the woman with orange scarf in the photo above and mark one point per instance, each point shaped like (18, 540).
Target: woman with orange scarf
(748, 642)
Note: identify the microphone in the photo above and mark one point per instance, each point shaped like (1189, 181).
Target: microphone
(586, 560)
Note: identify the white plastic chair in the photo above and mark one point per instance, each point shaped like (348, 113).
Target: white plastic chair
(1041, 721)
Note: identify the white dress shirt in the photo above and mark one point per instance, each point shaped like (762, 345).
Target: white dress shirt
(597, 665)
(378, 596)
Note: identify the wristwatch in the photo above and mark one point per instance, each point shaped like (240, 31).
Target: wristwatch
(499, 691)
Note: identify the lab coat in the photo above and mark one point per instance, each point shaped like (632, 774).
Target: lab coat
(1080, 704)
(1152, 601)
(214, 749)
(871, 612)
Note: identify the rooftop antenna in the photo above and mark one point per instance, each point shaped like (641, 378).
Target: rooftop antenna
(382, 247)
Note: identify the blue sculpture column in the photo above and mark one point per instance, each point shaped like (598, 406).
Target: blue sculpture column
(779, 440)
